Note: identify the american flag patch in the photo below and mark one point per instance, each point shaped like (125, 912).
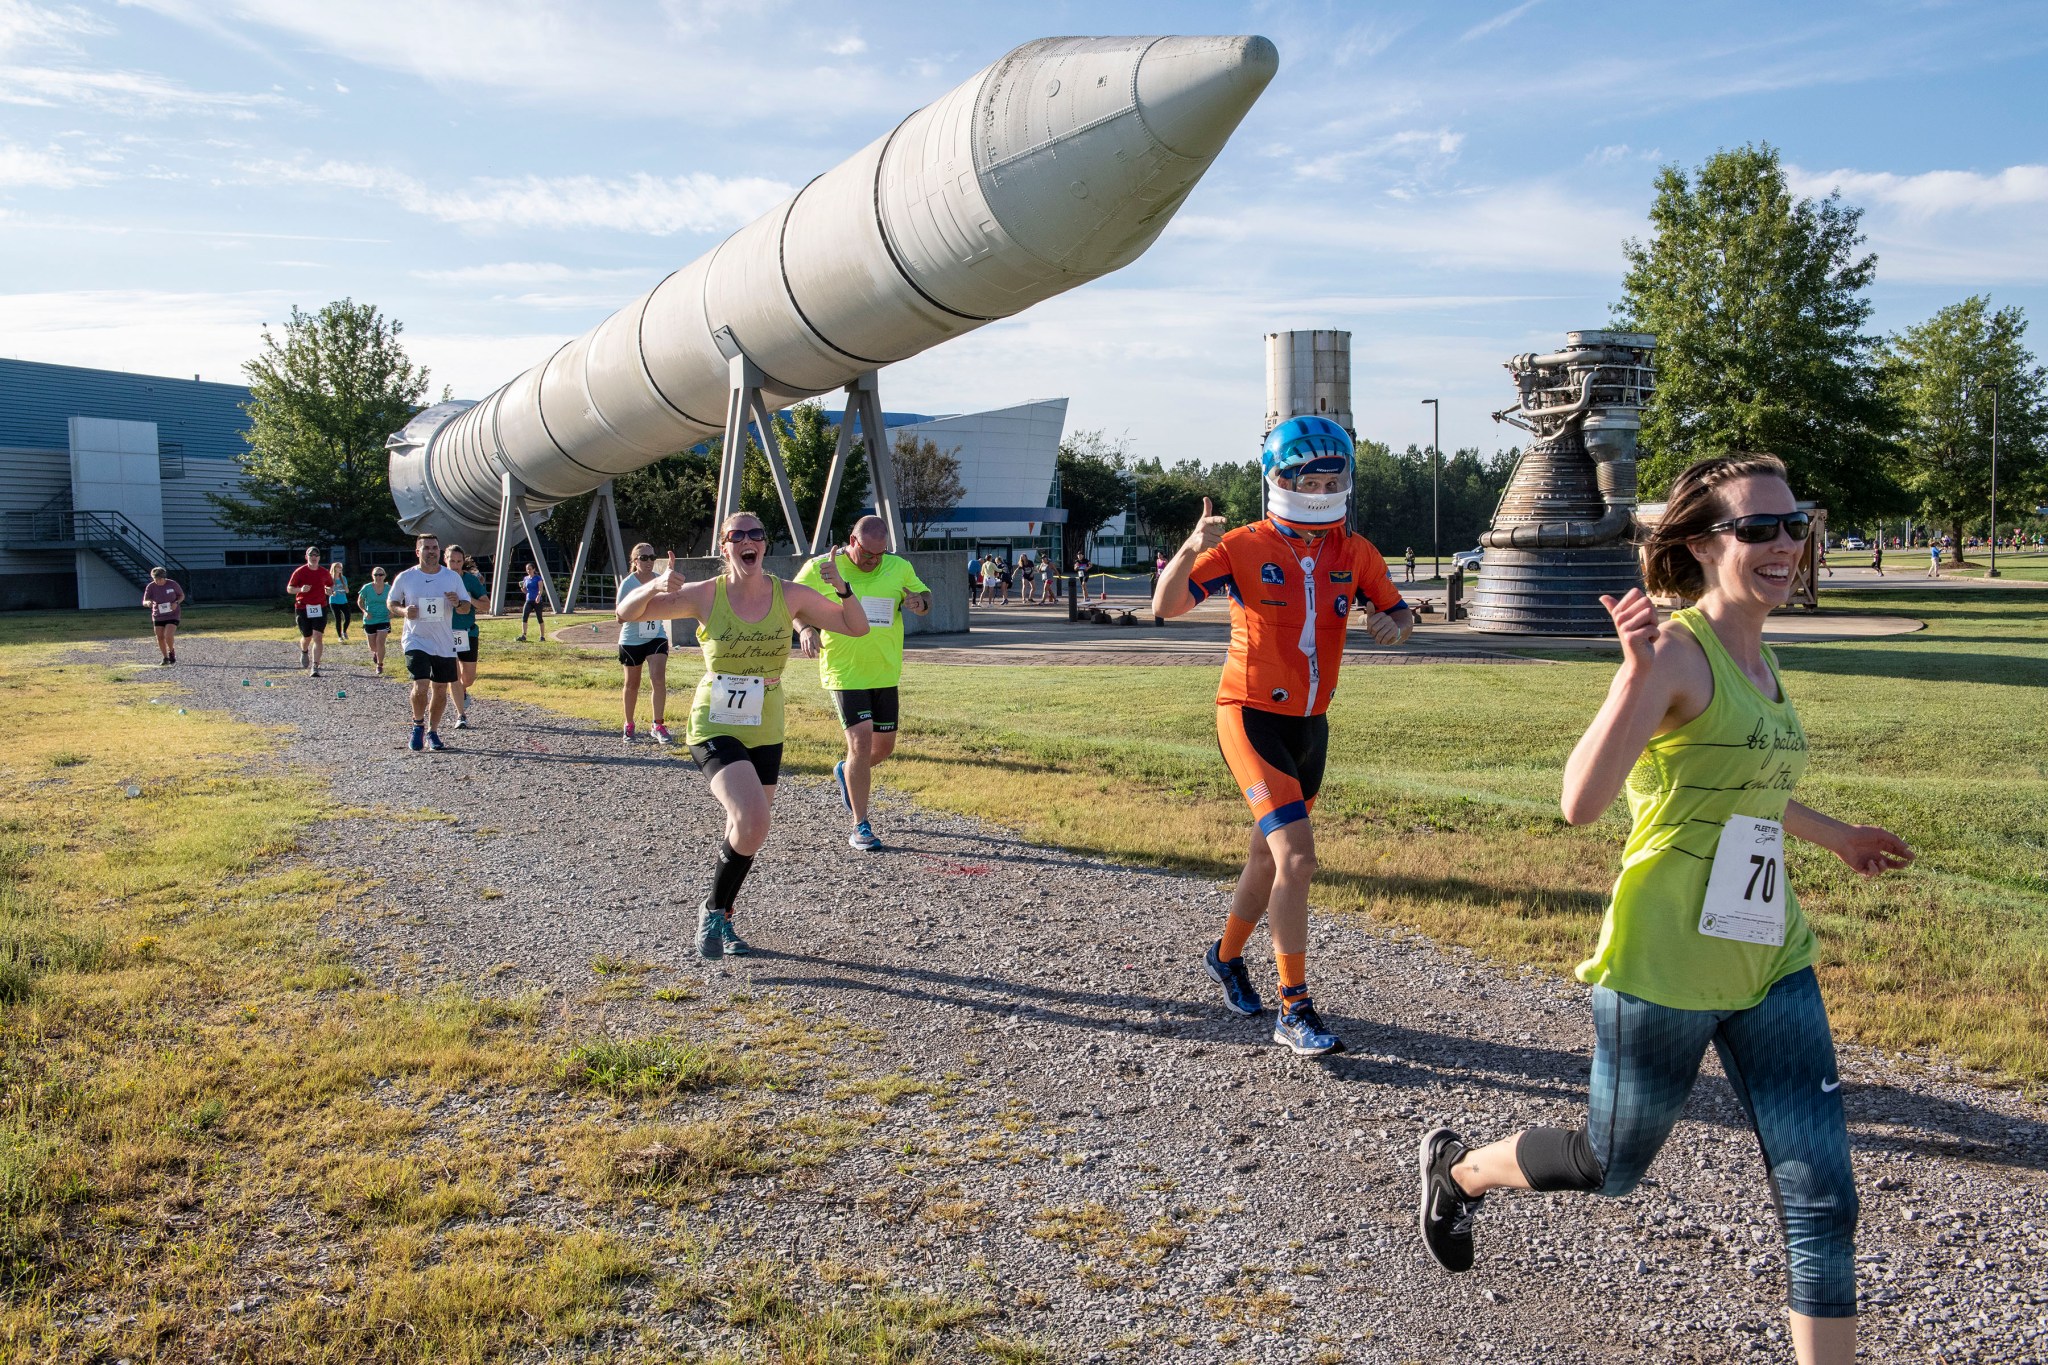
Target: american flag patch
(1256, 793)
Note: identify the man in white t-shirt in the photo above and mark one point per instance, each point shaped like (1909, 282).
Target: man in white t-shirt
(425, 598)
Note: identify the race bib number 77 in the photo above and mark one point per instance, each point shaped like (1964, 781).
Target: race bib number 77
(1746, 889)
(736, 699)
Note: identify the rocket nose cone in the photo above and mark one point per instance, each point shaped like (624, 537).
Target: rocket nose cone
(1191, 92)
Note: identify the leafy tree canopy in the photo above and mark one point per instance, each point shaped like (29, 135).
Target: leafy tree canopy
(1094, 486)
(927, 484)
(322, 401)
(1941, 376)
(1757, 301)
(807, 441)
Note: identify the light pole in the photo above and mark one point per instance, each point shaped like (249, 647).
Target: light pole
(1436, 455)
(1994, 482)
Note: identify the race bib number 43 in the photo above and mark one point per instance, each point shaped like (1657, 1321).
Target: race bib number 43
(736, 699)
(1746, 889)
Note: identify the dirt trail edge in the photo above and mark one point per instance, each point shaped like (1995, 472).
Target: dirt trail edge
(1083, 1137)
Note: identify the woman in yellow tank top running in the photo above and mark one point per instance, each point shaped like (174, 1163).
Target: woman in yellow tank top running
(744, 617)
(1703, 941)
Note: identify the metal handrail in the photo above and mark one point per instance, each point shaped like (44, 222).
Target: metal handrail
(95, 528)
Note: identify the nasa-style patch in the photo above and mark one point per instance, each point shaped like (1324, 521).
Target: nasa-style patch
(1341, 604)
(1340, 576)
(1271, 573)
(1279, 694)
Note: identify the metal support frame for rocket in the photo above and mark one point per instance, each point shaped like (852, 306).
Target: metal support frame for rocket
(1061, 162)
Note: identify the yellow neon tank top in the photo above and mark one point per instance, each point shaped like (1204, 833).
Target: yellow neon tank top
(749, 648)
(1740, 756)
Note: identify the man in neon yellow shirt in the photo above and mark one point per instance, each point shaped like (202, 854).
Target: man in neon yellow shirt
(862, 671)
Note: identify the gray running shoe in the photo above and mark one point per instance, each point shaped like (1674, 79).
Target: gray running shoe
(735, 946)
(712, 927)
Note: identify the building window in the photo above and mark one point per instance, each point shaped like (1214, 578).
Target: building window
(262, 559)
(170, 460)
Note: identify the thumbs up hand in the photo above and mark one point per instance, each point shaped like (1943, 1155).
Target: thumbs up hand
(1208, 530)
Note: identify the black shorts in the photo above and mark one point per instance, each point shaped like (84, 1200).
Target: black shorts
(632, 656)
(468, 656)
(377, 629)
(425, 667)
(163, 621)
(1277, 761)
(876, 704)
(311, 625)
(720, 750)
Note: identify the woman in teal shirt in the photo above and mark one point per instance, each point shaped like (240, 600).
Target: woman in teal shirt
(376, 616)
(464, 625)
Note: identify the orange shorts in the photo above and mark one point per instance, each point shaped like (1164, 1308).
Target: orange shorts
(1277, 761)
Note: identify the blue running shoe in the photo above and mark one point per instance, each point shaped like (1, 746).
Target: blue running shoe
(712, 927)
(419, 738)
(839, 776)
(1235, 981)
(735, 946)
(1301, 1028)
(863, 838)
(434, 742)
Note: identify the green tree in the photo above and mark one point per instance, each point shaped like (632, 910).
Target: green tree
(807, 441)
(1169, 501)
(1757, 301)
(322, 400)
(667, 503)
(1940, 375)
(1094, 486)
(1235, 489)
(927, 484)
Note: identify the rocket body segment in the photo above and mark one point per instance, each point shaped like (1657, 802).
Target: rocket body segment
(1058, 164)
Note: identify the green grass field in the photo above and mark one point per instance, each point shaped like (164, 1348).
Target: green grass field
(1439, 812)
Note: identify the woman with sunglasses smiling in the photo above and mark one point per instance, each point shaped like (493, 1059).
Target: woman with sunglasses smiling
(1703, 939)
(744, 618)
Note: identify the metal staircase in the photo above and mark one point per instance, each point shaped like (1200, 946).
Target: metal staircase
(126, 547)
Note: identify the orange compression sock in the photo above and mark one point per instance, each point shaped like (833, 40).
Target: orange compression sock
(1293, 977)
(1236, 933)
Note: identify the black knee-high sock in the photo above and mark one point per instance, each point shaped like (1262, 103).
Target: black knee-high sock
(726, 875)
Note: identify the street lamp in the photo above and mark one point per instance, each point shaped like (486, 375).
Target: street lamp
(1994, 481)
(1436, 437)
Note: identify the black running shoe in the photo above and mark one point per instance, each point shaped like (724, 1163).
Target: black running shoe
(1446, 1212)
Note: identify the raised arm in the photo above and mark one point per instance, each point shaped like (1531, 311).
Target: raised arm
(842, 613)
(1171, 597)
(668, 597)
(1643, 696)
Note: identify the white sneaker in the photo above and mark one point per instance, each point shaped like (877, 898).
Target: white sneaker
(661, 734)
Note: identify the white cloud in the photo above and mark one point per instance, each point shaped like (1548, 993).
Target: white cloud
(1931, 192)
(1411, 148)
(132, 94)
(25, 26)
(1535, 225)
(852, 45)
(151, 331)
(640, 59)
(1498, 21)
(26, 168)
(516, 273)
(643, 203)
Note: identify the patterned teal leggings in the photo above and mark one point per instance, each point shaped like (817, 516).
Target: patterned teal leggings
(1780, 1058)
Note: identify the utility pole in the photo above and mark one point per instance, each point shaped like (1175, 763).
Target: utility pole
(1436, 456)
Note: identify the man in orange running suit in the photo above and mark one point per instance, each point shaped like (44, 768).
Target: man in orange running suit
(1295, 580)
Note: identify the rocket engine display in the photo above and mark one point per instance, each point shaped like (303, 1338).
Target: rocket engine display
(1563, 533)
(1059, 163)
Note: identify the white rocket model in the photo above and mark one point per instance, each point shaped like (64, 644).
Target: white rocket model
(1058, 164)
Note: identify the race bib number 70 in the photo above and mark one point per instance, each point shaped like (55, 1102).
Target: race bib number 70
(1746, 889)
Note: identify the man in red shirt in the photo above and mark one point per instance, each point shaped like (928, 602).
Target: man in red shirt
(309, 586)
(1294, 580)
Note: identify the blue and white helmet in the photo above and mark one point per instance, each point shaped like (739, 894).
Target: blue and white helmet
(1306, 445)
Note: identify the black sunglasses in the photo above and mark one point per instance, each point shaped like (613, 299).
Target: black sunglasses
(643, 559)
(1762, 528)
(747, 533)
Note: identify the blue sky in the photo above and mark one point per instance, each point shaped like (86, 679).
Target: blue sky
(1449, 181)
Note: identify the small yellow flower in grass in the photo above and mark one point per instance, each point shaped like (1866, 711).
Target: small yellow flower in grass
(147, 947)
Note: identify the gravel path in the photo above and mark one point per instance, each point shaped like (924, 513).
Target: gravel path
(1059, 999)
